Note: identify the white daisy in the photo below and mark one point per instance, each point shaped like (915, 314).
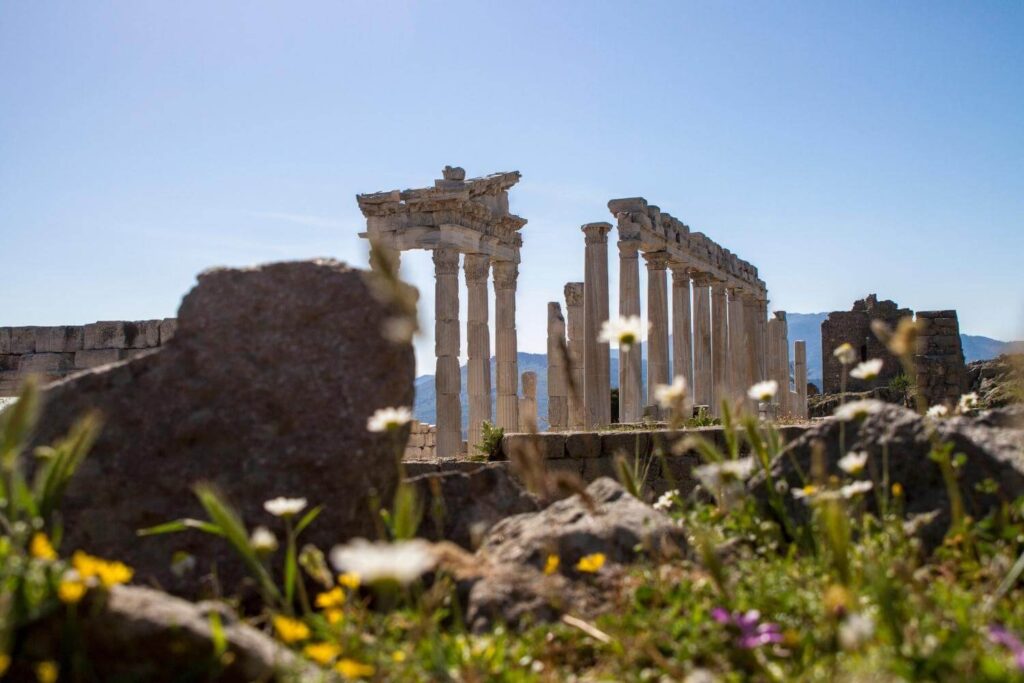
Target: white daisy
(725, 479)
(937, 411)
(868, 370)
(853, 462)
(386, 419)
(670, 395)
(856, 630)
(846, 354)
(401, 561)
(967, 403)
(624, 331)
(263, 540)
(857, 410)
(667, 500)
(285, 507)
(764, 391)
(855, 489)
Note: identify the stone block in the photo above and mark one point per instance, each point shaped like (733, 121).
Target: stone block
(105, 334)
(9, 362)
(46, 363)
(627, 443)
(550, 445)
(59, 339)
(566, 465)
(595, 468)
(583, 444)
(91, 358)
(23, 340)
(5, 340)
(168, 326)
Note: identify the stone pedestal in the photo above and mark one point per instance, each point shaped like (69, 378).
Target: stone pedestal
(506, 274)
(682, 330)
(800, 377)
(630, 362)
(596, 361)
(447, 379)
(528, 403)
(478, 336)
(702, 380)
(719, 347)
(558, 399)
(574, 334)
(657, 317)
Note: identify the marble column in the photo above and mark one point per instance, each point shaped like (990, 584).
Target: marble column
(682, 330)
(775, 369)
(478, 342)
(762, 338)
(737, 347)
(574, 334)
(784, 391)
(630, 363)
(558, 401)
(596, 361)
(800, 376)
(657, 317)
(528, 403)
(750, 313)
(506, 273)
(719, 347)
(702, 380)
(447, 379)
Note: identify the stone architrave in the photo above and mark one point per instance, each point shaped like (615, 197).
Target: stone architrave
(719, 347)
(596, 360)
(574, 334)
(446, 348)
(702, 379)
(800, 376)
(682, 330)
(630, 362)
(737, 347)
(528, 403)
(478, 342)
(506, 275)
(657, 316)
(558, 399)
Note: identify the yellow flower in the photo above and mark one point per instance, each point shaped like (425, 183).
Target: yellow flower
(322, 653)
(398, 656)
(108, 573)
(551, 566)
(333, 615)
(897, 489)
(70, 591)
(41, 548)
(5, 662)
(350, 668)
(290, 630)
(332, 598)
(349, 580)
(46, 672)
(591, 563)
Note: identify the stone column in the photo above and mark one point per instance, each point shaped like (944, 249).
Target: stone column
(762, 338)
(528, 403)
(702, 392)
(478, 341)
(800, 376)
(775, 362)
(447, 379)
(630, 362)
(682, 330)
(558, 402)
(596, 362)
(657, 317)
(750, 314)
(786, 402)
(719, 347)
(506, 273)
(737, 347)
(574, 333)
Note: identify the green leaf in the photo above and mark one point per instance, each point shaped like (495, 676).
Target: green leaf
(307, 519)
(181, 525)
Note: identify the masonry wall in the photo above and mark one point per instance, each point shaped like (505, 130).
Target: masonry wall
(854, 327)
(422, 444)
(52, 353)
(941, 371)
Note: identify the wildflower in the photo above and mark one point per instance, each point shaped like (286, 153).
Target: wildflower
(551, 564)
(285, 507)
(349, 580)
(967, 403)
(71, 588)
(331, 599)
(388, 419)
(290, 630)
(41, 548)
(108, 573)
(351, 669)
(751, 632)
(806, 492)
(764, 391)
(671, 395)
(263, 540)
(855, 489)
(855, 631)
(868, 370)
(725, 479)
(402, 561)
(937, 411)
(666, 500)
(845, 353)
(46, 672)
(322, 653)
(853, 462)
(858, 410)
(333, 615)
(591, 564)
(999, 635)
(836, 600)
(897, 489)
(398, 656)
(700, 676)
(904, 339)
(625, 331)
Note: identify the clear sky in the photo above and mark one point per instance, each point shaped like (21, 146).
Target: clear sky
(843, 148)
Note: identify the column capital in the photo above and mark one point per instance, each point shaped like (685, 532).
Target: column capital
(446, 261)
(573, 293)
(476, 266)
(701, 279)
(506, 274)
(629, 248)
(597, 233)
(656, 260)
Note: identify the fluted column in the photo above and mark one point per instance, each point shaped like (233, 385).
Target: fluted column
(786, 402)
(528, 403)
(657, 317)
(682, 330)
(702, 381)
(750, 314)
(630, 362)
(737, 347)
(800, 376)
(558, 403)
(777, 366)
(506, 274)
(763, 364)
(478, 336)
(719, 347)
(574, 333)
(596, 362)
(447, 380)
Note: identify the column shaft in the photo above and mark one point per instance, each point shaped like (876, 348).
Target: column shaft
(447, 379)
(596, 380)
(719, 347)
(506, 365)
(737, 348)
(528, 403)
(784, 387)
(558, 402)
(682, 330)
(800, 376)
(630, 362)
(478, 342)
(702, 341)
(574, 333)
(657, 316)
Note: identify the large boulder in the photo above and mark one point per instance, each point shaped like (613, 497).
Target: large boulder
(264, 391)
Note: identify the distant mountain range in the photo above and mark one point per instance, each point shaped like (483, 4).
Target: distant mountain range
(805, 326)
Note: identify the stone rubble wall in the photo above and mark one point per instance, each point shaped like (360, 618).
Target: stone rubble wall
(854, 327)
(52, 353)
(941, 371)
(422, 444)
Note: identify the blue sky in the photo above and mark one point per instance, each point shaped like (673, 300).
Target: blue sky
(843, 148)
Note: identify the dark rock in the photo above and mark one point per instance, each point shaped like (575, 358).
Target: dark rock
(263, 391)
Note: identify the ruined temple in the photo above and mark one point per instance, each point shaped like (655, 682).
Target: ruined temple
(854, 327)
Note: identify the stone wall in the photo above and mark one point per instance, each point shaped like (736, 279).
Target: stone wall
(52, 353)
(854, 327)
(422, 444)
(941, 372)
